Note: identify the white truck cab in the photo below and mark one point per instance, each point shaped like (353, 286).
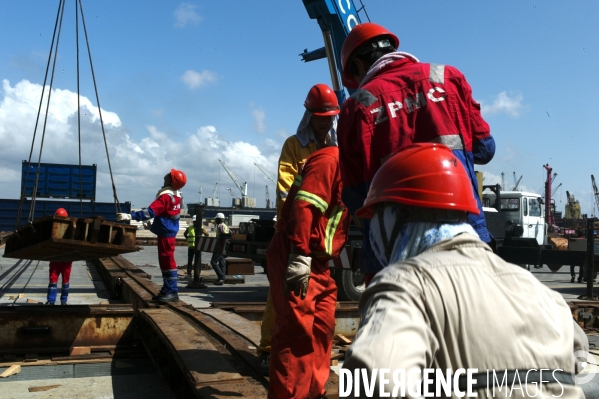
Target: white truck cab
(517, 215)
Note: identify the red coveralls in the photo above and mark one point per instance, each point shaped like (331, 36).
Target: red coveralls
(314, 222)
(60, 268)
(165, 210)
(409, 102)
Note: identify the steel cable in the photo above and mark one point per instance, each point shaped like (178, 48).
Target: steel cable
(116, 199)
(37, 119)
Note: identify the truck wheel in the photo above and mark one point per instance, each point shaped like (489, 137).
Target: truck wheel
(350, 284)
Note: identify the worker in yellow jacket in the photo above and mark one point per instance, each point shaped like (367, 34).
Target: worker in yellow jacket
(316, 130)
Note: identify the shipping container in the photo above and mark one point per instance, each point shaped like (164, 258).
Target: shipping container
(10, 207)
(60, 181)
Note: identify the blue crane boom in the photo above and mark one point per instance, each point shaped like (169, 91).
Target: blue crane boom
(336, 19)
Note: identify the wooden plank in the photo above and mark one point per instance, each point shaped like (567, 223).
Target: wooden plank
(194, 352)
(79, 350)
(86, 356)
(343, 340)
(12, 370)
(44, 388)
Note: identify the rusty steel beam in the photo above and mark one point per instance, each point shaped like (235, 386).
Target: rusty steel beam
(137, 289)
(70, 239)
(54, 329)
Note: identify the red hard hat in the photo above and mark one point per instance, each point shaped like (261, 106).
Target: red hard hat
(178, 179)
(322, 101)
(61, 212)
(424, 175)
(359, 35)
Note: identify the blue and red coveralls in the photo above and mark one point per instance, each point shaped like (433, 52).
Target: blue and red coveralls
(313, 223)
(56, 269)
(409, 102)
(165, 210)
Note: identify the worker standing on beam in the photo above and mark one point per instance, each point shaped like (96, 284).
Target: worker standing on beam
(58, 268)
(165, 210)
(400, 101)
(311, 230)
(316, 130)
(446, 302)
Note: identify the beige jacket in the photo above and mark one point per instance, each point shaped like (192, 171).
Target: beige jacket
(458, 305)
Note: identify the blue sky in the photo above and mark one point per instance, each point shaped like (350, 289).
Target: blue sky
(182, 84)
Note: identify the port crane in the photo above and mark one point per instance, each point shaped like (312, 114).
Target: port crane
(265, 174)
(517, 183)
(231, 191)
(267, 199)
(244, 188)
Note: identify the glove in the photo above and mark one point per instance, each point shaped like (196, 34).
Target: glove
(298, 274)
(123, 216)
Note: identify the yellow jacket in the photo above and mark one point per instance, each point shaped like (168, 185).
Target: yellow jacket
(293, 156)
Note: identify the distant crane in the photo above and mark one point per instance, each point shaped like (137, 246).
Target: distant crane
(516, 183)
(265, 174)
(549, 219)
(595, 191)
(267, 198)
(213, 196)
(502, 181)
(200, 192)
(243, 189)
(555, 190)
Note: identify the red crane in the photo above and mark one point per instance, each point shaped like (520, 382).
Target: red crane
(595, 191)
(548, 215)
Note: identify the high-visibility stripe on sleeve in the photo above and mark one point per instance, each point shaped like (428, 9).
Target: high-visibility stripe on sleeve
(437, 73)
(453, 141)
(313, 199)
(332, 225)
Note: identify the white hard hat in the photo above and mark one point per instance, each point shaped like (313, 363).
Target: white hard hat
(193, 218)
(219, 216)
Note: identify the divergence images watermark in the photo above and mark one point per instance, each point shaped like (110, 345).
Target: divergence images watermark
(432, 383)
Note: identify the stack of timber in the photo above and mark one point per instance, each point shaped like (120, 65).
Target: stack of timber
(55, 238)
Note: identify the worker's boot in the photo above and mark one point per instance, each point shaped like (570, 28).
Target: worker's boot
(168, 292)
(171, 297)
(265, 363)
(64, 294)
(52, 291)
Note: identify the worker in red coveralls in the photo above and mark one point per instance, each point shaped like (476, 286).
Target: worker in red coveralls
(399, 101)
(311, 230)
(59, 269)
(165, 210)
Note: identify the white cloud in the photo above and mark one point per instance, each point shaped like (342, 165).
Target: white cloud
(504, 103)
(138, 165)
(195, 79)
(186, 14)
(283, 134)
(259, 120)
